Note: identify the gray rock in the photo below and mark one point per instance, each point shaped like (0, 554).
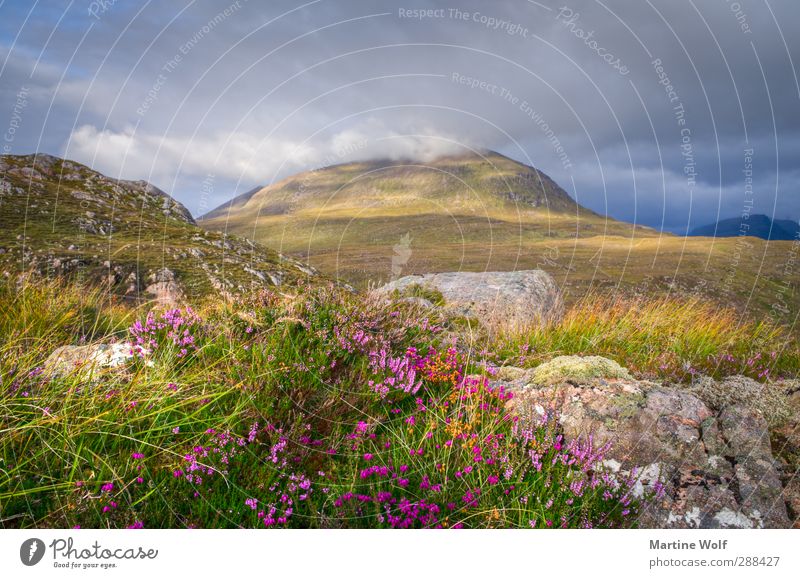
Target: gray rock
(87, 359)
(717, 470)
(163, 288)
(512, 300)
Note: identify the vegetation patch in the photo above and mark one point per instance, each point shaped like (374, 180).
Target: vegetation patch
(670, 339)
(313, 409)
(420, 291)
(577, 369)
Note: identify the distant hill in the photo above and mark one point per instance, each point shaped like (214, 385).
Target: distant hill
(59, 217)
(372, 221)
(369, 220)
(235, 203)
(760, 226)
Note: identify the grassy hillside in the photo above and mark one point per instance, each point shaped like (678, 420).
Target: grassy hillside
(62, 218)
(371, 221)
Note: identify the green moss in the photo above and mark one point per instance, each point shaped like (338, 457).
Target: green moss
(421, 291)
(576, 369)
(629, 404)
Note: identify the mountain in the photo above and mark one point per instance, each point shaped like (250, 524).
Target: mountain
(760, 226)
(372, 221)
(235, 203)
(62, 218)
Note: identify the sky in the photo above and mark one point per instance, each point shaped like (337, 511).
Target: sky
(666, 113)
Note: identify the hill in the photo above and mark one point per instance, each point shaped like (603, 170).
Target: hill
(233, 204)
(63, 218)
(760, 226)
(369, 222)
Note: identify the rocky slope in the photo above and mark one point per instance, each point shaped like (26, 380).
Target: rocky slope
(62, 218)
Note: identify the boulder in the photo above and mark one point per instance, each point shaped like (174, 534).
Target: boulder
(717, 469)
(163, 288)
(87, 359)
(513, 300)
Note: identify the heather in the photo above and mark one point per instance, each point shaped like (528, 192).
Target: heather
(310, 408)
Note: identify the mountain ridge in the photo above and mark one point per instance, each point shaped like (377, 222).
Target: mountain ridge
(757, 225)
(62, 218)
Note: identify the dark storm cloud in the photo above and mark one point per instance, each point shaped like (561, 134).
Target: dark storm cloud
(235, 94)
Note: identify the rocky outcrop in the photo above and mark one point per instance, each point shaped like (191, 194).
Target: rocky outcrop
(785, 438)
(716, 467)
(512, 300)
(163, 288)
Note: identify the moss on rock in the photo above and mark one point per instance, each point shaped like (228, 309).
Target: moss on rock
(578, 370)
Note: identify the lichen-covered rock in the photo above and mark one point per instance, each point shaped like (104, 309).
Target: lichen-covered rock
(785, 441)
(768, 398)
(717, 470)
(512, 300)
(87, 359)
(577, 370)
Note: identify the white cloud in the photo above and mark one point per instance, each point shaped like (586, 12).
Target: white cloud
(133, 154)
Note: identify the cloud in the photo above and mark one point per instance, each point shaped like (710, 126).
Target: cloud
(283, 87)
(243, 157)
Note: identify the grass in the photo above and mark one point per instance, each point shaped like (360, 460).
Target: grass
(320, 408)
(415, 290)
(663, 337)
(316, 409)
